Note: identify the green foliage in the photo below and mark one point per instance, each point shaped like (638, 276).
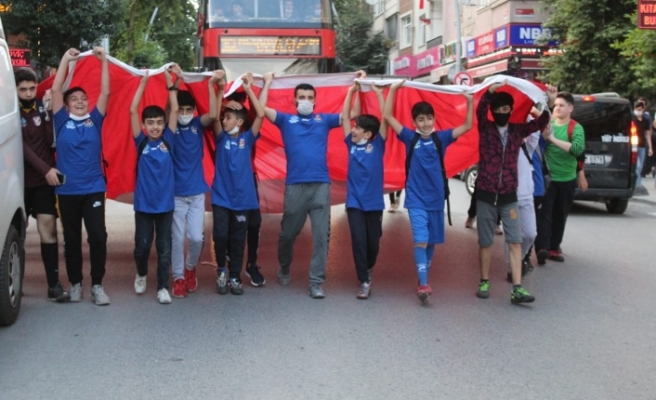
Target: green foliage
(589, 31)
(356, 47)
(53, 26)
(639, 46)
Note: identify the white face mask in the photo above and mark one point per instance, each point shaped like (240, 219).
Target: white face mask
(638, 113)
(362, 141)
(185, 119)
(79, 118)
(234, 131)
(305, 107)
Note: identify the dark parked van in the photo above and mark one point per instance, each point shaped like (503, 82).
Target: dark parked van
(610, 149)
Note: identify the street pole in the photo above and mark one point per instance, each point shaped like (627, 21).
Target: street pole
(152, 19)
(459, 37)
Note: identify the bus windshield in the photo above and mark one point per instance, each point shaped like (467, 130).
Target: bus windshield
(268, 13)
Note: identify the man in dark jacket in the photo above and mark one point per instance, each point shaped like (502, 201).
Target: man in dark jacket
(496, 184)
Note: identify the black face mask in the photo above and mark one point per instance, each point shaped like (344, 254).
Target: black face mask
(26, 103)
(501, 119)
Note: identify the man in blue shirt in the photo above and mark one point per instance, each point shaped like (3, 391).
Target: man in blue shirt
(233, 190)
(307, 190)
(424, 183)
(154, 191)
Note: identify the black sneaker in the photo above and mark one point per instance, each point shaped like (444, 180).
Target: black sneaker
(58, 294)
(529, 265)
(542, 256)
(236, 286)
(253, 272)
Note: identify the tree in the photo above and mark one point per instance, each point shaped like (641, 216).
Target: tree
(170, 38)
(356, 47)
(639, 46)
(53, 26)
(587, 31)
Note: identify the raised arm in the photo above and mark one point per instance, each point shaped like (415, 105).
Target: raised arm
(346, 108)
(217, 128)
(259, 110)
(135, 122)
(381, 104)
(469, 117)
(389, 107)
(60, 77)
(208, 118)
(270, 113)
(355, 110)
(105, 91)
(173, 101)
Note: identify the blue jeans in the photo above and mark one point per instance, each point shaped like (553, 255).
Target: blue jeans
(159, 225)
(642, 152)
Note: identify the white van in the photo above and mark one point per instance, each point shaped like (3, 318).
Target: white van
(12, 210)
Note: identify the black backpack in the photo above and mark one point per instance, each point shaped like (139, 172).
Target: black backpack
(438, 146)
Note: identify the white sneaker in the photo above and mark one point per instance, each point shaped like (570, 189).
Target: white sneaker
(98, 295)
(76, 292)
(140, 284)
(163, 296)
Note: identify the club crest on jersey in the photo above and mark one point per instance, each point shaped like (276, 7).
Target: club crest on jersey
(293, 119)
(23, 122)
(37, 120)
(88, 123)
(194, 130)
(369, 148)
(317, 118)
(242, 143)
(163, 148)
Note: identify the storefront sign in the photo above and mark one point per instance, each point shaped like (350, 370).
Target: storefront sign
(20, 57)
(470, 48)
(485, 43)
(529, 35)
(647, 14)
(501, 38)
(525, 13)
(418, 64)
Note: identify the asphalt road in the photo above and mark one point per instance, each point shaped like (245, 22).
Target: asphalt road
(591, 334)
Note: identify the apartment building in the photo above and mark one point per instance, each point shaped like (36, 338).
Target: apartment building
(497, 37)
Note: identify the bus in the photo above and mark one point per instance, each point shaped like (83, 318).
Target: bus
(284, 36)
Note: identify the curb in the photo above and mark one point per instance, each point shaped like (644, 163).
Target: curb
(643, 201)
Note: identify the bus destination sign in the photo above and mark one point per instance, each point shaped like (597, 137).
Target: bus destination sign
(647, 14)
(270, 45)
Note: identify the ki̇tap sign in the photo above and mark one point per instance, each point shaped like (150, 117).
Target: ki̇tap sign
(647, 14)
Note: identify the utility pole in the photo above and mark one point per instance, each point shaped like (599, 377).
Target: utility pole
(459, 38)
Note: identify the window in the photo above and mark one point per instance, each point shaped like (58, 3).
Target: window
(392, 27)
(406, 31)
(421, 40)
(379, 7)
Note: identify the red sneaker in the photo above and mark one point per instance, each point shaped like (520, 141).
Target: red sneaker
(556, 256)
(179, 288)
(423, 293)
(191, 283)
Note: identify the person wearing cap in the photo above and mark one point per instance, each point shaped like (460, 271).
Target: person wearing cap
(497, 181)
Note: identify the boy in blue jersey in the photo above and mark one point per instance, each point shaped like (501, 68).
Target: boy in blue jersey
(154, 190)
(364, 186)
(190, 186)
(82, 196)
(307, 186)
(424, 184)
(233, 189)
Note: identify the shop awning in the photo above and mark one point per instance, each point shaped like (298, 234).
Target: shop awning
(439, 72)
(488, 69)
(531, 63)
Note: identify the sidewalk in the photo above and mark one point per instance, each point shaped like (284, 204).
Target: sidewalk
(647, 193)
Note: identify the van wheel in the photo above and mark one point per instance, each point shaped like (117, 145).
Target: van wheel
(617, 206)
(470, 179)
(11, 278)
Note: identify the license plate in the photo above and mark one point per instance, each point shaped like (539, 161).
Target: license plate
(595, 160)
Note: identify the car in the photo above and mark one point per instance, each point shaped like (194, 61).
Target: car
(610, 151)
(12, 218)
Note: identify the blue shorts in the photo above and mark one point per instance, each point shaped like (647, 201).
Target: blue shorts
(427, 226)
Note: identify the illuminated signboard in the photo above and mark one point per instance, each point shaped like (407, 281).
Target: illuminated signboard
(20, 57)
(647, 14)
(270, 45)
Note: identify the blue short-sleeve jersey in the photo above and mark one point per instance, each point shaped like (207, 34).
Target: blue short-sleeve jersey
(425, 186)
(154, 192)
(79, 149)
(188, 159)
(233, 186)
(364, 180)
(306, 144)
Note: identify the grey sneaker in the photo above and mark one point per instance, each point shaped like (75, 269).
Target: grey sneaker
(236, 287)
(98, 295)
(284, 277)
(315, 291)
(222, 282)
(76, 292)
(365, 290)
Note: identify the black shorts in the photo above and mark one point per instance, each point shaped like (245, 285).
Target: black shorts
(40, 200)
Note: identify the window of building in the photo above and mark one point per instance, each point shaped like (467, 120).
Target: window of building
(379, 8)
(421, 39)
(406, 30)
(392, 27)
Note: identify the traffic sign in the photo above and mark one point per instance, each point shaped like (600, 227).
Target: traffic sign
(463, 78)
